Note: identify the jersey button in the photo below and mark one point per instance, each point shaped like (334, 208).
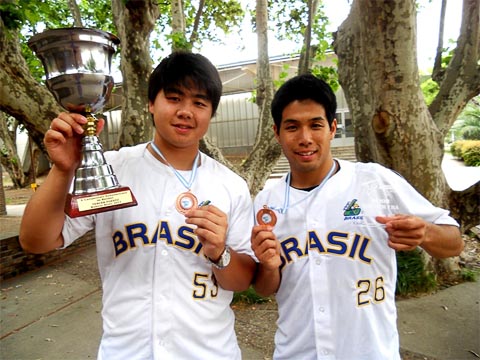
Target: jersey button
(321, 309)
(164, 252)
(318, 261)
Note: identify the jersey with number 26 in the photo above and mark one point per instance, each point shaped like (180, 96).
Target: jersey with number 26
(337, 294)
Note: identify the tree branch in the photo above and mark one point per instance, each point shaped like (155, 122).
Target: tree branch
(196, 24)
(437, 72)
(77, 17)
(462, 76)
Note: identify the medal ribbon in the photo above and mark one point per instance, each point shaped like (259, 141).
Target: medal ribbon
(286, 202)
(187, 184)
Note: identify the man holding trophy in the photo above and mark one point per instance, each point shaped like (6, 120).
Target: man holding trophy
(170, 264)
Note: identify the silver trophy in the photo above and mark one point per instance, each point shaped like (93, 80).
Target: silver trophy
(77, 64)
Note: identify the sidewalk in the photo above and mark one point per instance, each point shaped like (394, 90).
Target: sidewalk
(443, 326)
(459, 177)
(54, 313)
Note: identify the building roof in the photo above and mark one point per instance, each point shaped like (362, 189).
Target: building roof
(239, 77)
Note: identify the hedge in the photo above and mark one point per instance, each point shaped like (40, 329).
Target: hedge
(467, 150)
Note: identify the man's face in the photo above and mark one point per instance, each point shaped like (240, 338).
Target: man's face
(305, 138)
(181, 116)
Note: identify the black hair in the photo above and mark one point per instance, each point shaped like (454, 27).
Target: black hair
(186, 69)
(304, 87)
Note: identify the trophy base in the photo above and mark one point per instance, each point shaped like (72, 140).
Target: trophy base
(100, 201)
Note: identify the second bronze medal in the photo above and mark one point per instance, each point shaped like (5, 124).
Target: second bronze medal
(266, 216)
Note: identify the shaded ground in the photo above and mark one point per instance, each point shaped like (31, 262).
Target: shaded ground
(17, 196)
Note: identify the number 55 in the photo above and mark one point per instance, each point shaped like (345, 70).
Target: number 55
(201, 281)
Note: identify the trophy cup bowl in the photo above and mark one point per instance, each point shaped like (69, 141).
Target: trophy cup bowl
(77, 63)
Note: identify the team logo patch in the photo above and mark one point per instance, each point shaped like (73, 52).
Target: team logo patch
(356, 215)
(352, 210)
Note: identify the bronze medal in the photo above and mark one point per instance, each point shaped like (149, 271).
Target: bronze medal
(185, 202)
(266, 216)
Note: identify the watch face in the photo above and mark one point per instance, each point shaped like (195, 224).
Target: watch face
(224, 259)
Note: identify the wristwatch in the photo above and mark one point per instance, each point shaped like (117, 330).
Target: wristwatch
(224, 260)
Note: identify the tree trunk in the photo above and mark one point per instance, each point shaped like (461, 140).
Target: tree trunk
(179, 40)
(379, 75)
(196, 23)
(266, 150)
(9, 156)
(437, 72)
(306, 54)
(75, 10)
(3, 203)
(21, 94)
(135, 21)
(21, 97)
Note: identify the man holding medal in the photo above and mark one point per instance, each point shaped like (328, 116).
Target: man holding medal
(168, 266)
(327, 234)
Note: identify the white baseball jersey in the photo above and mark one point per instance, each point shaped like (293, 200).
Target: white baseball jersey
(159, 297)
(337, 294)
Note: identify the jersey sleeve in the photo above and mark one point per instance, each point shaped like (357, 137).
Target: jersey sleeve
(410, 201)
(75, 228)
(240, 222)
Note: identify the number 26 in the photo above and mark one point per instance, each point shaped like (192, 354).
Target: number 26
(364, 296)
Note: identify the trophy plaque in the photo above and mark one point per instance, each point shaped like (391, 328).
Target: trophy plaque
(77, 63)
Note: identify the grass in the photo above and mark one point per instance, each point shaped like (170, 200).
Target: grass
(249, 296)
(412, 277)
(470, 275)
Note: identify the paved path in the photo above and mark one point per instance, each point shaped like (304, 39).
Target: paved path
(459, 176)
(445, 325)
(54, 313)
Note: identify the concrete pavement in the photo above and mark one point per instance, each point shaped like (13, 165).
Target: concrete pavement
(442, 326)
(459, 177)
(54, 313)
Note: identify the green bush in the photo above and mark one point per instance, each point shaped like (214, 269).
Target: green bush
(467, 150)
(456, 148)
(471, 152)
(412, 277)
